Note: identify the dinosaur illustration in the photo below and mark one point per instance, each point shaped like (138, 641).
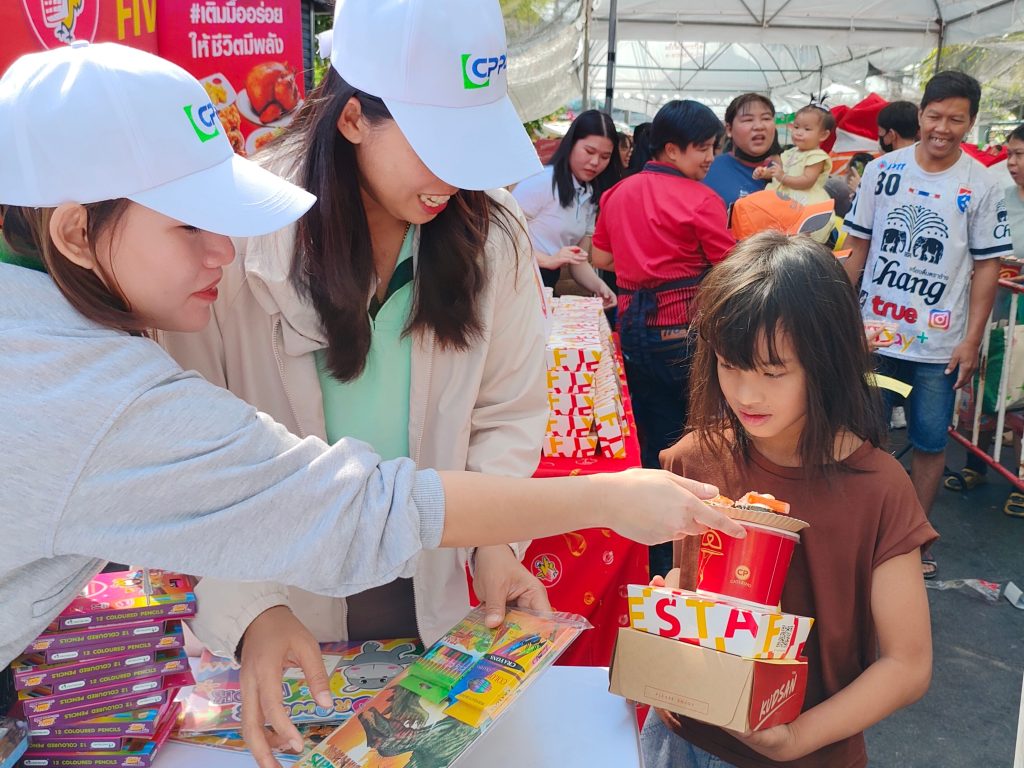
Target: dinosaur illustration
(400, 729)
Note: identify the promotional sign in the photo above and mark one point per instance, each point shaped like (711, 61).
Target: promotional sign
(248, 56)
(39, 25)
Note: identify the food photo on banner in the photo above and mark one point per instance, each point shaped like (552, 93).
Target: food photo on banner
(247, 54)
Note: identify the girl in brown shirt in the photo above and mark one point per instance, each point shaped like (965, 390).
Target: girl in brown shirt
(781, 404)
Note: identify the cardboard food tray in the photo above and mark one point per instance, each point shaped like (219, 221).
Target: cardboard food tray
(738, 694)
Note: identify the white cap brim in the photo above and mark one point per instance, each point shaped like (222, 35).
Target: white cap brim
(236, 198)
(481, 147)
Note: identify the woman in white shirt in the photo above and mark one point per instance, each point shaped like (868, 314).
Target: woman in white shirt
(561, 201)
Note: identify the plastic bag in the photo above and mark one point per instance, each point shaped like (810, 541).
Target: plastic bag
(984, 590)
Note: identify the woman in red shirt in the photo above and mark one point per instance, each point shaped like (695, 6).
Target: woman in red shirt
(661, 230)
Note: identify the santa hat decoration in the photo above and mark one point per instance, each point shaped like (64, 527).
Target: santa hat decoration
(857, 131)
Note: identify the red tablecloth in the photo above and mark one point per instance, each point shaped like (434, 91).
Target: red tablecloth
(586, 572)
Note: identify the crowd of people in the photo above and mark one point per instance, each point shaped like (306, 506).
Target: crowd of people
(199, 352)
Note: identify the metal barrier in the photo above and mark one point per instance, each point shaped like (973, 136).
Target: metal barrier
(1015, 285)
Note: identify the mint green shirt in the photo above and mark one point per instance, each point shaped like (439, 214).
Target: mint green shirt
(374, 408)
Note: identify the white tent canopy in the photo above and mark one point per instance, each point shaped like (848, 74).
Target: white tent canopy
(785, 48)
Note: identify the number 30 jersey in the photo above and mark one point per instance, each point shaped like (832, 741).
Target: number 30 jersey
(926, 231)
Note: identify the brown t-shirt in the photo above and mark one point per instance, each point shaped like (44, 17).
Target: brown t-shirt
(858, 520)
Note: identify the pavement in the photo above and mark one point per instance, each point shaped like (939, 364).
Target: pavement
(969, 716)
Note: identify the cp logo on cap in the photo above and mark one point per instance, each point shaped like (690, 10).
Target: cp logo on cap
(204, 122)
(477, 71)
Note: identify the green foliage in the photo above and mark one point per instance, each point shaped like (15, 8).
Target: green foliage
(321, 22)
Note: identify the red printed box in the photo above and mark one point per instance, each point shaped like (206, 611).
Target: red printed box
(571, 358)
(569, 425)
(560, 380)
(563, 404)
(570, 447)
(721, 626)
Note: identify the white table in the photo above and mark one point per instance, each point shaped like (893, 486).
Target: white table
(567, 718)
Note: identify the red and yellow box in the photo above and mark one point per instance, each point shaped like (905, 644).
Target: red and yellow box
(560, 380)
(567, 404)
(571, 425)
(570, 447)
(738, 630)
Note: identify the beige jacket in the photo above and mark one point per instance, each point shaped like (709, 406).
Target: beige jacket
(482, 410)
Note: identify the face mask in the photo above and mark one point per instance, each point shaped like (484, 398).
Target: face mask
(744, 157)
(882, 143)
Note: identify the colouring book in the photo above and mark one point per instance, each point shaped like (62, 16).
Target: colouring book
(433, 713)
(356, 671)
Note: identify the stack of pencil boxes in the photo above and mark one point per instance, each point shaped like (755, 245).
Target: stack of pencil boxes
(583, 378)
(98, 686)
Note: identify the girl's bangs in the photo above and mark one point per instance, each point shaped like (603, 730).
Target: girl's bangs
(734, 325)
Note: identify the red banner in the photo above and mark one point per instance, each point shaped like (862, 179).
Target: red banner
(248, 55)
(37, 25)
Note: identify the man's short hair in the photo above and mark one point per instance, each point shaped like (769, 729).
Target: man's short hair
(1017, 133)
(953, 85)
(900, 116)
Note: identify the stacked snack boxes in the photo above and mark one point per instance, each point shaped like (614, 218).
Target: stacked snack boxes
(747, 671)
(584, 393)
(98, 686)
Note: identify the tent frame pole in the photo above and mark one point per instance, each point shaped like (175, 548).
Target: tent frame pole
(609, 88)
(587, 13)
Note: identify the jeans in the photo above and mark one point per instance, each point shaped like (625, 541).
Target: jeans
(930, 404)
(657, 362)
(663, 749)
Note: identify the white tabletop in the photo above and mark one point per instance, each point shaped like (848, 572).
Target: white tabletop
(567, 718)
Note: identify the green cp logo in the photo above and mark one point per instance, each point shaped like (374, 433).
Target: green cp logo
(478, 70)
(204, 121)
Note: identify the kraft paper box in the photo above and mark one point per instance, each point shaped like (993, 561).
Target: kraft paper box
(741, 695)
(568, 404)
(560, 380)
(569, 425)
(570, 447)
(741, 631)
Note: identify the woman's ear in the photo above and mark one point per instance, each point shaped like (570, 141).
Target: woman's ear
(69, 231)
(351, 123)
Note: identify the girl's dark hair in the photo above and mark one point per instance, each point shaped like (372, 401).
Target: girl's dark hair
(684, 123)
(772, 283)
(27, 232)
(825, 118)
(589, 123)
(641, 149)
(334, 266)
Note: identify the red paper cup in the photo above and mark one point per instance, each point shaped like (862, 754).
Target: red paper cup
(751, 571)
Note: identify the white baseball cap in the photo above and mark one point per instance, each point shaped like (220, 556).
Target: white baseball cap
(85, 123)
(441, 68)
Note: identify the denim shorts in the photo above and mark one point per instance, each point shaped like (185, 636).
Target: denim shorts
(930, 404)
(663, 749)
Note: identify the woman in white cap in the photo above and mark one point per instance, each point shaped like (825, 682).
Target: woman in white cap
(404, 309)
(121, 181)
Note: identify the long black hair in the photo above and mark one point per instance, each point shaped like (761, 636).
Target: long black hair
(770, 284)
(589, 123)
(333, 266)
